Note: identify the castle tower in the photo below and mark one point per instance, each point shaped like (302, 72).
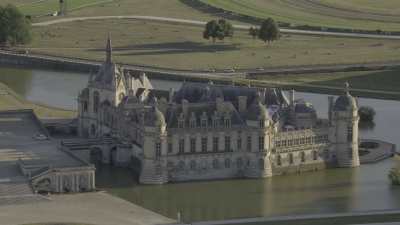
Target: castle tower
(345, 128)
(154, 165)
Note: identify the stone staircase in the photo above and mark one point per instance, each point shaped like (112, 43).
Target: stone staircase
(150, 175)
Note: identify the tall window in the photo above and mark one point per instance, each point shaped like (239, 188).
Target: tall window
(215, 144)
(303, 156)
(85, 106)
(169, 147)
(227, 122)
(315, 155)
(227, 143)
(215, 164)
(193, 145)
(261, 142)
(262, 123)
(239, 143)
(279, 160)
(249, 143)
(204, 144)
(182, 146)
(158, 150)
(349, 133)
(215, 122)
(192, 165)
(96, 101)
(227, 163)
(239, 162)
(261, 163)
(291, 158)
(204, 122)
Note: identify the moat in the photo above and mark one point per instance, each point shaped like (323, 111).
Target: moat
(329, 191)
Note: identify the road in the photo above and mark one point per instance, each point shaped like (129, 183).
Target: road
(202, 23)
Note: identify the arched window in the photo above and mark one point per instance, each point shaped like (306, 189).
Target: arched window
(279, 160)
(261, 163)
(303, 156)
(315, 155)
(227, 163)
(85, 106)
(96, 101)
(290, 158)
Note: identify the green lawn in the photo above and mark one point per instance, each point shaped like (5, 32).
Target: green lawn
(328, 13)
(178, 46)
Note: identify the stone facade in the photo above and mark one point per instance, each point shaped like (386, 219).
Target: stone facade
(208, 131)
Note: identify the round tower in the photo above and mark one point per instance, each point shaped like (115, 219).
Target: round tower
(154, 165)
(345, 124)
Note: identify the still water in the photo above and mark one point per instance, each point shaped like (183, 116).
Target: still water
(329, 191)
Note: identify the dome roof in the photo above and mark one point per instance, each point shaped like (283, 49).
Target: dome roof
(345, 102)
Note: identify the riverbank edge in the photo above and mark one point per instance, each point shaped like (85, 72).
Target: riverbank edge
(88, 66)
(362, 217)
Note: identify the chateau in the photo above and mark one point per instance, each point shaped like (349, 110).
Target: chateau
(208, 131)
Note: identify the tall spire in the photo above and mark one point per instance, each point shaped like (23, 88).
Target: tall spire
(109, 50)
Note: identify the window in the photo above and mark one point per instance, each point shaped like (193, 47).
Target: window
(215, 122)
(215, 164)
(279, 160)
(215, 144)
(204, 144)
(85, 106)
(249, 143)
(261, 163)
(169, 147)
(192, 165)
(181, 123)
(261, 142)
(227, 163)
(181, 165)
(227, 143)
(96, 101)
(315, 155)
(239, 162)
(284, 142)
(192, 145)
(290, 158)
(193, 123)
(350, 133)
(239, 143)
(182, 146)
(227, 123)
(204, 122)
(303, 156)
(158, 150)
(262, 123)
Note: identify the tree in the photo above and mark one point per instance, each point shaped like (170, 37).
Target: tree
(366, 114)
(253, 31)
(15, 28)
(269, 31)
(218, 30)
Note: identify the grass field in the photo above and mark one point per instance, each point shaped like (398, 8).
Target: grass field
(354, 14)
(177, 46)
(46, 7)
(9, 100)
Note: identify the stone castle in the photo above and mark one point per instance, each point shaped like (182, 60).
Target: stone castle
(208, 131)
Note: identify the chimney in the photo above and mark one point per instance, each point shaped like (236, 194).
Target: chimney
(171, 95)
(242, 104)
(292, 98)
(330, 108)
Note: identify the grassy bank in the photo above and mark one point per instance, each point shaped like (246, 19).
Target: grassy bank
(182, 47)
(353, 14)
(9, 100)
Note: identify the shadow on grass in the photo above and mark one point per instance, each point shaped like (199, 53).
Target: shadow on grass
(172, 48)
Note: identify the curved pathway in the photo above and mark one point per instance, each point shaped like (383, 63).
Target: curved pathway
(202, 23)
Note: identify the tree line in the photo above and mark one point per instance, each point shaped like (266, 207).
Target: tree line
(221, 29)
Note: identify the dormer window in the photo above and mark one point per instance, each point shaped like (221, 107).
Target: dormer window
(204, 120)
(193, 121)
(181, 121)
(227, 122)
